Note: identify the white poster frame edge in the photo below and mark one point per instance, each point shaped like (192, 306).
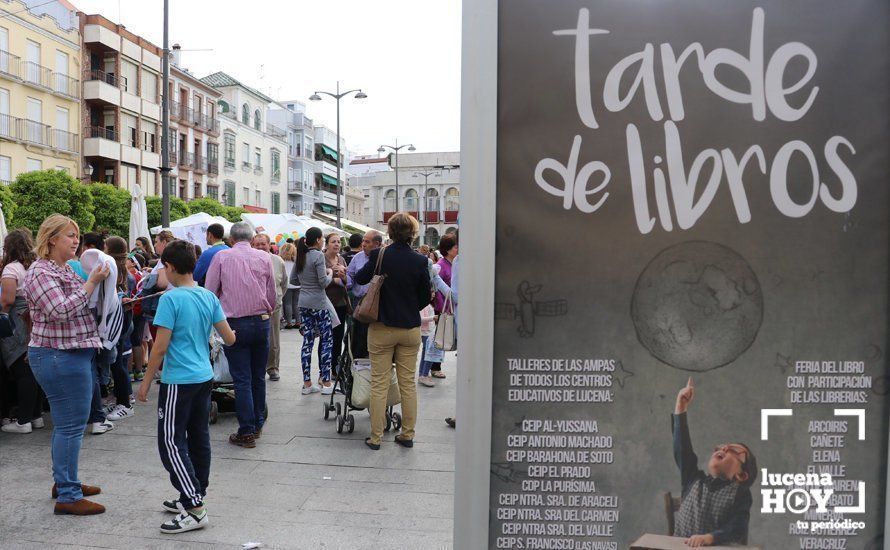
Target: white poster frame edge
(479, 86)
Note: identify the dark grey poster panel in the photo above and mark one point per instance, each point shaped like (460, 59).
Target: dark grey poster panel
(691, 274)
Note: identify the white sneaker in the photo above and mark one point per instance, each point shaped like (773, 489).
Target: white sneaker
(16, 428)
(38, 423)
(327, 390)
(309, 389)
(109, 408)
(186, 521)
(101, 427)
(120, 412)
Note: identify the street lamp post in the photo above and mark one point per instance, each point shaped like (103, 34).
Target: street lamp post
(426, 177)
(165, 124)
(338, 96)
(396, 148)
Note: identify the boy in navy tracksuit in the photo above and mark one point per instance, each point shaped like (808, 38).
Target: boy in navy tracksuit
(185, 316)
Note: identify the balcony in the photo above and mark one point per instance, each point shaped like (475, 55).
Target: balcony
(229, 163)
(213, 166)
(245, 166)
(36, 75)
(101, 87)
(65, 141)
(97, 34)
(101, 142)
(199, 163)
(295, 187)
(207, 122)
(186, 160)
(10, 65)
(64, 85)
(257, 169)
(276, 176)
(450, 215)
(36, 133)
(275, 131)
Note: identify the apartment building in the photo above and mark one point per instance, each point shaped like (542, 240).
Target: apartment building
(194, 134)
(326, 160)
(121, 105)
(291, 116)
(254, 152)
(435, 176)
(39, 90)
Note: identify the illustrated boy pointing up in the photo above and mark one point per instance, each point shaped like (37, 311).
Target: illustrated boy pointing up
(716, 504)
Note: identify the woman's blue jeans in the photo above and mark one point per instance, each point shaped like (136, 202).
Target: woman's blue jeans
(67, 378)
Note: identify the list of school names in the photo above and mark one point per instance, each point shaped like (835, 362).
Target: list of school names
(558, 504)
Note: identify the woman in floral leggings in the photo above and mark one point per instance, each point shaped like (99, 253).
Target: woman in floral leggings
(315, 308)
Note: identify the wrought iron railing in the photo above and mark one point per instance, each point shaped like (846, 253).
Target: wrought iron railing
(101, 132)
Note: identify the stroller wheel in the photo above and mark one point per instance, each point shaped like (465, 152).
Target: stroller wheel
(397, 421)
(340, 421)
(388, 423)
(338, 409)
(214, 412)
(327, 411)
(350, 423)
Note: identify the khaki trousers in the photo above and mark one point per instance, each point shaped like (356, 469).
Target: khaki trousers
(274, 341)
(388, 345)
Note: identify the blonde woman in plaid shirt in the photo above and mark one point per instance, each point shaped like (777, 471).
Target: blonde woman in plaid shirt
(64, 339)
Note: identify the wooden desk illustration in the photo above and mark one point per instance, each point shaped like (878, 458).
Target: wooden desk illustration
(664, 542)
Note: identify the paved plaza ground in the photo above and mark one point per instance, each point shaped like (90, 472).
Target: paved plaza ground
(303, 486)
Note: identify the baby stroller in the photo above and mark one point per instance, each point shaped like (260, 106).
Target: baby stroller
(344, 382)
(222, 394)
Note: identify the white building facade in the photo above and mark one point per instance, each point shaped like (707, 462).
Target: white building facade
(194, 135)
(435, 176)
(253, 160)
(291, 116)
(326, 159)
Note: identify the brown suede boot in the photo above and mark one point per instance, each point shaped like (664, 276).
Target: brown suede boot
(87, 490)
(82, 507)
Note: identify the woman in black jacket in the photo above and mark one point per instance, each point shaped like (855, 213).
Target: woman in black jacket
(395, 338)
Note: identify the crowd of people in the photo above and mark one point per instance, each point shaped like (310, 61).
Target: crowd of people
(84, 320)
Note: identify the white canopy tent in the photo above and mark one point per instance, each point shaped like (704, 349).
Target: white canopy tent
(197, 218)
(281, 227)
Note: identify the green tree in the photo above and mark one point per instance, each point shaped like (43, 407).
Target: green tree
(178, 210)
(112, 209)
(42, 193)
(233, 213)
(208, 206)
(9, 205)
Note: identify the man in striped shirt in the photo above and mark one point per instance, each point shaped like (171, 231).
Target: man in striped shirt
(243, 279)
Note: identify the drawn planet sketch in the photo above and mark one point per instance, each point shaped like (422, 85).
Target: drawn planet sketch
(697, 306)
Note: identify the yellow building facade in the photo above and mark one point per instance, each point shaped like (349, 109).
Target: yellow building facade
(40, 112)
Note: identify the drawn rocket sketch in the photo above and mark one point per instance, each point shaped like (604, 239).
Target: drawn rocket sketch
(529, 309)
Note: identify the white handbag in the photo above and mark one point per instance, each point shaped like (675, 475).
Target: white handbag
(445, 337)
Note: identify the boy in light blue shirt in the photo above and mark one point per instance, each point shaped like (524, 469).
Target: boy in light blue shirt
(185, 316)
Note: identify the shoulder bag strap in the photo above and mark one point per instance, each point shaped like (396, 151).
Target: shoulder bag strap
(379, 261)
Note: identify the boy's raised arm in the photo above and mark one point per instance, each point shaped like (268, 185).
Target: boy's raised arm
(684, 456)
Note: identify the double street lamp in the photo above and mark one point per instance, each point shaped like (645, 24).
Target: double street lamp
(426, 177)
(338, 95)
(396, 148)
